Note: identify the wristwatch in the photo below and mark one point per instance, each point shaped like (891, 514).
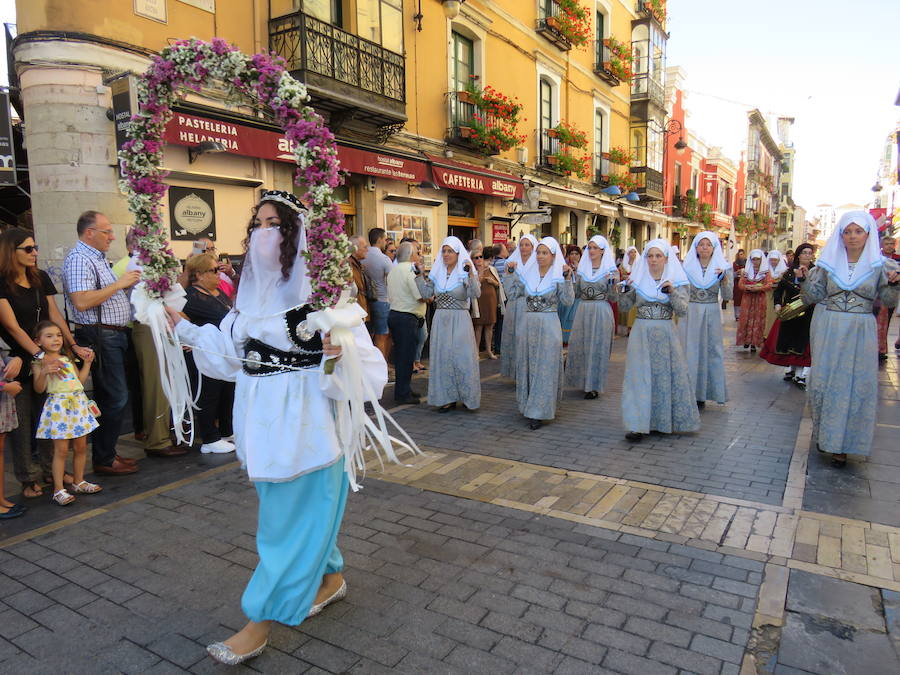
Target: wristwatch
(38, 355)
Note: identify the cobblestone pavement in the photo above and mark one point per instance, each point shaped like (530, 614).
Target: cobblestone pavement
(501, 551)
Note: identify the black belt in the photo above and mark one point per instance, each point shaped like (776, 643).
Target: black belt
(266, 360)
(105, 326)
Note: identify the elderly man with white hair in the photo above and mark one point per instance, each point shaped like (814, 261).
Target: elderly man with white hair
(406, 315)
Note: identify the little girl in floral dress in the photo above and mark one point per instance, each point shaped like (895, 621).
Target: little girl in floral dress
(67, 414)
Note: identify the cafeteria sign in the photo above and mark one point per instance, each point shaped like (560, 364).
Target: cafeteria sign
(192, 213)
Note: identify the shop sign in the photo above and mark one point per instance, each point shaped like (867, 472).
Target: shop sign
(124, 104)
(455, 179)
(151, 9)
(500, 234)
(7, 148)
(192, 213)
(240, 139)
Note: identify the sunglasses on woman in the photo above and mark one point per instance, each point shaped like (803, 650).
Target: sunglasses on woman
(477, 257)
(28, 249)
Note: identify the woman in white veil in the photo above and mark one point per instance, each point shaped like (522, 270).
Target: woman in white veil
(522, 259)
(284, 424)
(849, 276)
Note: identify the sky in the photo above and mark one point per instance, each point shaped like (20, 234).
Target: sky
(831, 65)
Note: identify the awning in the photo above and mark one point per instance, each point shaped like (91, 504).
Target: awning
(646, 215)
(468, 178)
(382, 164)
(572, 200)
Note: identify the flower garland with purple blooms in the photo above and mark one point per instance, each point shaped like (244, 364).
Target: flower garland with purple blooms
(189, 65)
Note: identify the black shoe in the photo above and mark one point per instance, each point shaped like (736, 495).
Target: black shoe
(882, 357)
(789, 375)
(801, 383)
(701, 404)
(839, 459)
(535, 424)
(747, 346)
(408, 400)
(633, 436)
(446, 408)
(752, 348)
(591, 395)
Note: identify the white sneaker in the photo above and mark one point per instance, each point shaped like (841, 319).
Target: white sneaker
(229, 439)
(221, 446)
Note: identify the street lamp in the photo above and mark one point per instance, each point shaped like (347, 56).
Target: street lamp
(451, 11)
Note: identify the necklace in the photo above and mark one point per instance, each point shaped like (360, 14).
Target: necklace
(217, 298)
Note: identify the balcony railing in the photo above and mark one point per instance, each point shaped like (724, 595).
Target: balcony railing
(650, 182)
(601, 168)
(462, 115)
(342, 71)
(548, 25)
(602, 59)
(646, 88)
(549, 146)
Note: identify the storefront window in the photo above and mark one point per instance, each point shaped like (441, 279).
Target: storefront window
(460, 207)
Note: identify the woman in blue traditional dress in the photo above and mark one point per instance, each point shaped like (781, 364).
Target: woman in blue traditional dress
(657, 393)
(539, 372)
(700, 331)
(454, 285)
(594, 325)
(284, 424)
(522, 259)
(849, 276)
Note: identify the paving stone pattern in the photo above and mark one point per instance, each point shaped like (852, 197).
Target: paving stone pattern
(743, 449)
(437, 585)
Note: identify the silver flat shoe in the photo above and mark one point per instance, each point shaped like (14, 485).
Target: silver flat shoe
(222, 653)
(339, 594)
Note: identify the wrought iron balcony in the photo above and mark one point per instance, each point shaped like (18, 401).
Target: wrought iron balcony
(601, 168)
(549, 25)
(346, 75)
(466, 122)
(550, 148)
(646, 88)
(602, 63)
(650, 182)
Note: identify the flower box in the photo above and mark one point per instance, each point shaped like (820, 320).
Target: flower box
(553, 22)
(465, 97)
(465, 132)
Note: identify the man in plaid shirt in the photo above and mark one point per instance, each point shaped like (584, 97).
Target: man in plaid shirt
(101, 312)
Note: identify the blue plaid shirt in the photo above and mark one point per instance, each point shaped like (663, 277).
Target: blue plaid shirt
(87, 269)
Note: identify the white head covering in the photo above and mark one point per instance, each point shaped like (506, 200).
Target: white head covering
(532, 277)
(645, 284)
(675, 251)
(607, 262)
(778, 268)
(442, 282)
(834, 255)
(626, 265)
(694, 270)
(263, 292)
(752, 275)
(516, 255)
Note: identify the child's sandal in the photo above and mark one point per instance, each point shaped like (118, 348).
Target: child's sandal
(84, 488)
(62, 497)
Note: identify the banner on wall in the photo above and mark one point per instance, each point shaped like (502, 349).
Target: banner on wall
(500, 232)
(192, 213)
(410, 222)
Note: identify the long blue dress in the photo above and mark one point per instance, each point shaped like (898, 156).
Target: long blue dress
(592, 333)
(454, 374)
(512, 324)
(567, 318)
(700, 332)
(539, 368)
(657, 393)
(843, 382)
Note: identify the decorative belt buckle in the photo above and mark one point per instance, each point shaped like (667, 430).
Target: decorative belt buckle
(254, 361)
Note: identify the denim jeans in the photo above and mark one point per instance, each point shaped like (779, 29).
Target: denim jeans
(110, 388)
(405, 332)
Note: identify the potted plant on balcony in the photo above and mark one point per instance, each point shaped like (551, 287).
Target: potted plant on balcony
(657, 8)
(626, 181)
(567, 164)
(493, 135)
(493, 126)
(574, 22)
(620, 59)
(621, 156)
(568, 134)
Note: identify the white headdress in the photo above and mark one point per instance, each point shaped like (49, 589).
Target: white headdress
(694, 270)
(645, 284)
(626, 265)
(834, 255)
(444, 282)
(263, 291)
(778, 268)
(751, 274)
(516, 255)
(534, 284)
(607, 263)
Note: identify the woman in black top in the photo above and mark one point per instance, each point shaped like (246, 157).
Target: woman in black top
(24, 301)
(788, 341)
(207, 304)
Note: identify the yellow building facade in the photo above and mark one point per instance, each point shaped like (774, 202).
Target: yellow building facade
(385, 74)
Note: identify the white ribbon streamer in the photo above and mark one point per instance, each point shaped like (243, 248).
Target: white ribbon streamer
(173, 372)
(356, 431)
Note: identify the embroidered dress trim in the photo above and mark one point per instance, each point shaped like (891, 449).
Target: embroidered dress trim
(590, 293)
(705, 295)
(262, 359)
(540, 303)
(447, 301)
(851, 302)
(656, 311)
